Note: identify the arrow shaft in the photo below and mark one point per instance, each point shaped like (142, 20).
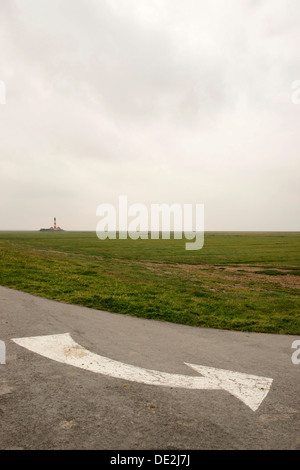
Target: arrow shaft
(62, 348)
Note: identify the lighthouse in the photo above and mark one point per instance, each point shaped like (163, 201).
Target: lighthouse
(52, 229)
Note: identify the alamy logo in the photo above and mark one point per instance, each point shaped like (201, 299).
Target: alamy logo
(2, 353)
(2, 92)
(296, 354)
(133, 221)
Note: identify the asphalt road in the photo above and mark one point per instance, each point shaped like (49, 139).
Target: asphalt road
(46, 404)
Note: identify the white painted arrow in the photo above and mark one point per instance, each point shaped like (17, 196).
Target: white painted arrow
(250, 389)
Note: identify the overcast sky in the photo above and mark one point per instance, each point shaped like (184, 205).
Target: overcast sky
(160, 100)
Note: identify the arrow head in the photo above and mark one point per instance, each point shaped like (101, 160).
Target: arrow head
(250, 389)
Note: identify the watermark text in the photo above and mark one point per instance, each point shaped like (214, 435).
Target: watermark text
(296, 354)
(137, 221)
(2, 353)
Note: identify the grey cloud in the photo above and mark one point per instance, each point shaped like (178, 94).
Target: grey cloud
(142, 95)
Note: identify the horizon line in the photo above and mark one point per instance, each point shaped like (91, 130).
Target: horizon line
(149, 231)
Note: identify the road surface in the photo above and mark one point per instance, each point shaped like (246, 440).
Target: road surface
(90, 394)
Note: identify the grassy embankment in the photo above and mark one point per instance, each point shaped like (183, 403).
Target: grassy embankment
(238, 281)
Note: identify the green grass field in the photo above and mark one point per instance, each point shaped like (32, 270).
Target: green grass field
(238, 281)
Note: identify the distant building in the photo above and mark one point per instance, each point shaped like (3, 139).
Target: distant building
(52, 229)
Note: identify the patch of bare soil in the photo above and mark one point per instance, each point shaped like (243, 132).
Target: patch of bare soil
(242, 273)
(251, 273)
